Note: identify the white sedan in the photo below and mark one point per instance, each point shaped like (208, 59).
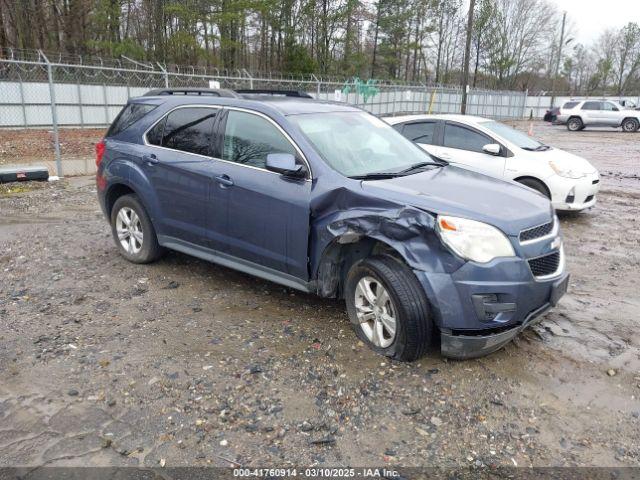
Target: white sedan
(495, 149)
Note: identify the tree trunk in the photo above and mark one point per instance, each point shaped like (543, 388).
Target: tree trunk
(467, 54)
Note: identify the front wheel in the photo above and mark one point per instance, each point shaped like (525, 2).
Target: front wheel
(388, 308)
(630, 125)
(575, 124)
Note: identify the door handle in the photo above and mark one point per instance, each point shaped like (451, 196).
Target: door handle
(150, 159)
(224, 181)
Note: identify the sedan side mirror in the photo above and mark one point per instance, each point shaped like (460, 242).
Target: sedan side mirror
(492, 149)
(285, 164)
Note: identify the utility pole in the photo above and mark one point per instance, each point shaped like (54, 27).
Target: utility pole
(557, 68)
(467, 54)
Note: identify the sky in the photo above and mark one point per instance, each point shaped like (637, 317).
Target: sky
(590, 17)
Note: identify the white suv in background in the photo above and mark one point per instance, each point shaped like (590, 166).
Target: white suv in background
(597, 113)
(497, 150)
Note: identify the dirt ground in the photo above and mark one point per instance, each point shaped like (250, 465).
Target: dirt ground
(182, 362)
(34, 145)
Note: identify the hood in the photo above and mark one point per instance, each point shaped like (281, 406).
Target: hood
(564, 160)
(455, 191)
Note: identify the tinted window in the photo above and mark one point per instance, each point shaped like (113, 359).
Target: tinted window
(464, 138)
(250, 138)
(420, 132)
(591, 106)
(154, 136)
(129, 115)
(570, 105)
(189, 130)
(610, 107)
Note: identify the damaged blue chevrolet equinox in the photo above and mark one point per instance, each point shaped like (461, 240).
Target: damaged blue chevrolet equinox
(326, 198)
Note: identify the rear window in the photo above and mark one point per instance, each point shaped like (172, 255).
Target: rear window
(420, 132)
(129, 115)
(570, 105)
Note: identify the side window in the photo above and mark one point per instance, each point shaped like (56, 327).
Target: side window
(189, 130)
(464, 138)
(570, 105)
(249, 138)
(154, 136)
(609, 107)
(591, 106)
(420, 132)
(129, 115)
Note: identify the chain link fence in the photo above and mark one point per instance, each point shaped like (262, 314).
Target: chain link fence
(64, 103)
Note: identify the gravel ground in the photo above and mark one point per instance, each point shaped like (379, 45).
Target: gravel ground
(182, 362)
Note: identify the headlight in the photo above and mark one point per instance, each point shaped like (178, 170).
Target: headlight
(565, 171)
(473, 240)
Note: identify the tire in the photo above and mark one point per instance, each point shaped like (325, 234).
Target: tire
(536, 185)
(630, 125)
(575, 124)
(139, 236)
(407, 304)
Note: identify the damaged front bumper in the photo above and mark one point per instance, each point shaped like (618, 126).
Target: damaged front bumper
(463, 347)
(470, 328)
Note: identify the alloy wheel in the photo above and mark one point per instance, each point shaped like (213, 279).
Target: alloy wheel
(376, 312)
(129, 230)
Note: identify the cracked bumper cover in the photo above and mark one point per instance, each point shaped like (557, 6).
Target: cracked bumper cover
(468, 346)
(472, 346)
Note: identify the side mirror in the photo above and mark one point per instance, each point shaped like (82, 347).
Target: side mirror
(285, 164)
(491, 149)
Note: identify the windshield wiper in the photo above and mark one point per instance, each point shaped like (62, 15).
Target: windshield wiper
(376, 175)
(421, 165)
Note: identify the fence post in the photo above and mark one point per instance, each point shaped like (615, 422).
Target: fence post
(80, 105)
(165, 74)
(106, 103)
(524, 103)
(244, 70)
(24, 107)
(317, 86)
(54, 114)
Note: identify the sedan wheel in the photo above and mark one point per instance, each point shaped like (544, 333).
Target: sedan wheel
(129, 230)
(375, 312)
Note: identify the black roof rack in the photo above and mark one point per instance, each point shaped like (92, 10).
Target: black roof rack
(214, 92)
(266, 91)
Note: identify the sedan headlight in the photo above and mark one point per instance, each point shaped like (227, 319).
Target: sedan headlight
(565, 171)
(473, 240)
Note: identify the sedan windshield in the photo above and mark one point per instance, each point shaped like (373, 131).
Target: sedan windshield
(357, 144)
(512, 135)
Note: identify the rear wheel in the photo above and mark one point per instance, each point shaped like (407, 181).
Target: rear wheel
(630, 125)
(574, 124)
(388, 308)
(537, 185)
(133, 231)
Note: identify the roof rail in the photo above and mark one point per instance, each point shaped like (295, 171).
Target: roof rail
(214, 92)
(266, 91)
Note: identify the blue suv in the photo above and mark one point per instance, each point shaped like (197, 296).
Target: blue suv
(328, 199)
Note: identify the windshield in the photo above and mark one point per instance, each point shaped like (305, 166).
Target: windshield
(512, 135)
(359, 144)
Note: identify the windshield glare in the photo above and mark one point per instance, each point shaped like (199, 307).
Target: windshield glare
(357, 143)
(512, 135)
